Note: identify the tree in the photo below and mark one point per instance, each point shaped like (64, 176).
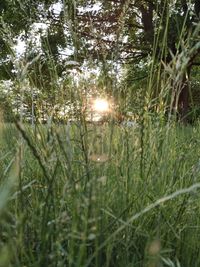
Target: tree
(143, 22)
(107, 33)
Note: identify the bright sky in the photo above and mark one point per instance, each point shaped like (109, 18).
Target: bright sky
(20, 47)
(95, 7)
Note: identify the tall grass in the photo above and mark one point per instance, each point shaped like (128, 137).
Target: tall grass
(81, 195)
(100, 211)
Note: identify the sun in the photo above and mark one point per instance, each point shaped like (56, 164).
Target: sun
(101, 105)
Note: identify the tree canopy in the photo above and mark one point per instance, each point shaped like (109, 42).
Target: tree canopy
(64, 35)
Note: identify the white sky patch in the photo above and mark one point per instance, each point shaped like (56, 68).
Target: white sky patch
(56, 8)
(39, 26)
(87, 71)
(66, 52)
(96, 7)
(109, 37)
(125, 39)
(20, 48)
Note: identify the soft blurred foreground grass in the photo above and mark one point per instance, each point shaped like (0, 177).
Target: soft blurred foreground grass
(99, 195)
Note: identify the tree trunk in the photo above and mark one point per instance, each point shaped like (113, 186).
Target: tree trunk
(181, 99)
(147, 21)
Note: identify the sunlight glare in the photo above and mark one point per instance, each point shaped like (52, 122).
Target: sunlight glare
(101, 105)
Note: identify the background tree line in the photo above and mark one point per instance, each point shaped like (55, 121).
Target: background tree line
(134, 45)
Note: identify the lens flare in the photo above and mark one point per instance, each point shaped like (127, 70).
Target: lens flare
(101, 105)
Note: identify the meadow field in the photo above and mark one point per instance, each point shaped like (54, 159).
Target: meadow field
(100, 195)
(99, 133)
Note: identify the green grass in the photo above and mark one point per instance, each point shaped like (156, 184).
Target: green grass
(88, 196)
(101, 195)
